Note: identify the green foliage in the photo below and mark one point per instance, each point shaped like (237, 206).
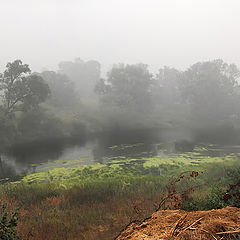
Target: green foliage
(38, 92)
(232, 193)
(206, 198)
(127, 88)
(21, 91)
(8, 130)
(8, 224)
(222, 191)
(23, 119)
(37, 125)
(206, 85)
(126, 177)
(215, 197)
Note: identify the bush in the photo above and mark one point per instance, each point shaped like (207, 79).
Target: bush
(8, 224)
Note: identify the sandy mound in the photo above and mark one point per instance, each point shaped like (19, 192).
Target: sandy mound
(177, 224)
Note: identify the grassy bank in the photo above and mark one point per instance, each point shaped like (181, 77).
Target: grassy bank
(97, 202)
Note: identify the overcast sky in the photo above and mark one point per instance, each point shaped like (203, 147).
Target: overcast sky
(175, 33)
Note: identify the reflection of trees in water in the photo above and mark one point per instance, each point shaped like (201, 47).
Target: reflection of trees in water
(98, 152)
(36, 152)
(103, 152)
(23, 159)
(7, 171)
(42, 151)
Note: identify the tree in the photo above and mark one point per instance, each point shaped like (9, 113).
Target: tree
(21, 90)
(166, 88)
(211, 90)
(167, 97)
(8, 130)
(63, 93)
(84, 75)
(127, 87)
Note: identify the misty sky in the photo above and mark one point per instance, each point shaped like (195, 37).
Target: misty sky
(176, 33)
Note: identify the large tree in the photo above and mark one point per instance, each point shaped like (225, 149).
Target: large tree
(211, 89)
(21, 91)
(166, 88)
(127, 87)
(167, 99)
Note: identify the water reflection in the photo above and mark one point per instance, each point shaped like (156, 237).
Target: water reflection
(8, 169)
(24, 159)
(103, 153)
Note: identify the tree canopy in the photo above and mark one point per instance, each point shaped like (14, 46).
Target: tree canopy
(21, 90)
(127, 87)
(211, 89)
(63, 92)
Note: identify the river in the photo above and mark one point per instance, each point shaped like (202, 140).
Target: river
(32, 158)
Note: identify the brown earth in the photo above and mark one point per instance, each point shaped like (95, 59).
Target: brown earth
(178, 224)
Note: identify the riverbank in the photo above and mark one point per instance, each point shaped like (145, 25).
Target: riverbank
(97, 202)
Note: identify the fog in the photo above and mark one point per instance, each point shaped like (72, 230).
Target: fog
(157, 32)
(104, 73)
(111, 110)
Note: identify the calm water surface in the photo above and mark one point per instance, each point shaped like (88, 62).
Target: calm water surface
(31, 159)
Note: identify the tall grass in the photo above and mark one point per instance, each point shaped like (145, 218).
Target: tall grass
(97, 202)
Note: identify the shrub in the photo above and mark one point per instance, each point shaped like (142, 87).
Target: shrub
(8, 224)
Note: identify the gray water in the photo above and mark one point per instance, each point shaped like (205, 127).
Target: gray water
(29, 159)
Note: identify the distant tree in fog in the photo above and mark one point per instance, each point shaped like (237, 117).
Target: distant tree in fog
(127, 87)
(166, 89)
(7, 130)
(63, 93)
(21, 90)
(84, 75)
(167, 96)
(212, 90)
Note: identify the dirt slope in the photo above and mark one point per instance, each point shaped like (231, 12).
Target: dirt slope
(178, 224)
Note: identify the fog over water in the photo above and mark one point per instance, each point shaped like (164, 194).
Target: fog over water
(115, 72)
(111, 110)
(157, 32)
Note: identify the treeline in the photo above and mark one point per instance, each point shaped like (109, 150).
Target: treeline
(73, 101)
(203, 100)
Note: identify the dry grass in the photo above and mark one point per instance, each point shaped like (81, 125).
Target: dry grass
(177, 224)
(65, 218)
